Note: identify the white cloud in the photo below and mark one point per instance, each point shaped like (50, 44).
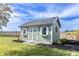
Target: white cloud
(70, 10)
(70, 25)
(46, 14)
(14, 22)
(49, 12)
(16, 17)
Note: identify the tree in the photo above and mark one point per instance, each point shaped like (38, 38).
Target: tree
(5, 14)
(66, 31)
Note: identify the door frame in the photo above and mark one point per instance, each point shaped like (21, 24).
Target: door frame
(32, 29)
(36, 28)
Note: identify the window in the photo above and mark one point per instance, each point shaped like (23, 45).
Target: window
(35, 29)
(24, 31)
(56, 29)
(44, 31)
(30, 29)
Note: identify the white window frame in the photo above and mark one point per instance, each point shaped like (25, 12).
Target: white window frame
(25, 30)
(46, 31)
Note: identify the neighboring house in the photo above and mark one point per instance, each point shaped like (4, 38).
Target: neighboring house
(41, 30)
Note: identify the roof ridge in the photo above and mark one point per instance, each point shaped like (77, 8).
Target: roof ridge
(39, 21)
(45, 18)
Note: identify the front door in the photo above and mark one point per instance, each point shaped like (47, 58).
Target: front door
(30, 34)
(33, 34)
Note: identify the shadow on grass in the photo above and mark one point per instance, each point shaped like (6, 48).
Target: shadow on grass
(45, 50)
(69, 46)
(37, 51)
(19, 41)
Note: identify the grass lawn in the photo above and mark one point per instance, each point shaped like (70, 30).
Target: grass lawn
(10, 48)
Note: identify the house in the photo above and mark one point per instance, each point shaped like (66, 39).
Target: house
(41, 31)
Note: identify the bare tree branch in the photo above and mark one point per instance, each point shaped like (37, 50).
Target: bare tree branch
(5, 14)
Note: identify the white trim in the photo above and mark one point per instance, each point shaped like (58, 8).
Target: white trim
(35, 28)
(28, 33)
(23, 30)
(47, 31)
(30, 29)
(21, 33)
(32, 32)
(41, 28)
(37, 34)
(51, 34)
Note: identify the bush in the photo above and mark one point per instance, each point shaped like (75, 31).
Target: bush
(61, 41)
(77, 34)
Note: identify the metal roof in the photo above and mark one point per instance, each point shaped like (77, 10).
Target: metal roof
(40, 22)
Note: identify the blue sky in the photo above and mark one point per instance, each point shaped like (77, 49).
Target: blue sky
(23, 12)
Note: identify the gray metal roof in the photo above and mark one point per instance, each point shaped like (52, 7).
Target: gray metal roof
(46, 21)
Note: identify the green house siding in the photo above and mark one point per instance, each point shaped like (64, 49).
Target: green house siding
(22, 37)
(56, 35)
(46, 38)
(34, 34)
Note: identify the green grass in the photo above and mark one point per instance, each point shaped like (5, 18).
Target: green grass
(10, 48)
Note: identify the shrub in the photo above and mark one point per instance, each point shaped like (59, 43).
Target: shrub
(61, 41)
(77, 34)
(64, 40)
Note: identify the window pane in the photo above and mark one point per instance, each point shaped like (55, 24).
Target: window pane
(34, 29)
(30, 30)
(56, 29)
(24, 31)
(44, 31)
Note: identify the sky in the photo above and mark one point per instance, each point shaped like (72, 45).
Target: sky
(23, 12)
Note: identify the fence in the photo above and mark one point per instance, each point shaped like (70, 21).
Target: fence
(9, 33)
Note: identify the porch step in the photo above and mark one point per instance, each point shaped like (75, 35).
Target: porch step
(36, 42)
